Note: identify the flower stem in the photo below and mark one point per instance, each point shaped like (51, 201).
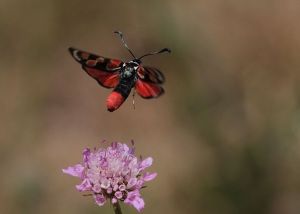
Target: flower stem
(117, 208)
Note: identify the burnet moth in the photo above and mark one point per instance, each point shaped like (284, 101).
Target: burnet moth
(122, 76)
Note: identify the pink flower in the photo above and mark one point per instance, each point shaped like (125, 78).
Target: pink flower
(113, 174)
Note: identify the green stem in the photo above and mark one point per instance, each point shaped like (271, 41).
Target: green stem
(117, 208)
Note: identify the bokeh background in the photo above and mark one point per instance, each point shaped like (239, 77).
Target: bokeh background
(225, 136)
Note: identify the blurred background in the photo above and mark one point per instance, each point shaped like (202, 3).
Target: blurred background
(224, 137)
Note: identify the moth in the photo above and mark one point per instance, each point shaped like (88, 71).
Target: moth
(122, 76)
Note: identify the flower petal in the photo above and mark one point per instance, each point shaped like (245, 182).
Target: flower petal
(139, 184)
(149, 176)
(145, 163)
(132, 182)
(86, 153)
(134, 198)
(131, 151)
(96, 188)
(118, 194)
(76, 170)
(122, 187)
(114, 200)
(109, 190)
(99, 199)
(84, 186)
(105, 183)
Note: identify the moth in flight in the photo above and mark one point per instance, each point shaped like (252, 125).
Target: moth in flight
(122, 76)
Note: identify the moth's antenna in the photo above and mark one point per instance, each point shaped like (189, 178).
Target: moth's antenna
(124, 43)
(156, 52)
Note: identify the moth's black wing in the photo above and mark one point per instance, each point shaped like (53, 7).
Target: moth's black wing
(148, 83)
(151, 75)
(105, 70)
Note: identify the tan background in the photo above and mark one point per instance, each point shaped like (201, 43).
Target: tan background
(225, 136)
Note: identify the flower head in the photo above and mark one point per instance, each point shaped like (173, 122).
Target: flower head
(113, 174)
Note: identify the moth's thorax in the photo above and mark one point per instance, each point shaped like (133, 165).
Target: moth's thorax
(129, 69)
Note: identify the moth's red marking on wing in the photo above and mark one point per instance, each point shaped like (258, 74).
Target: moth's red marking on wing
(148, 90)
(106, 79)
(141, 72)
(113, 63)
(91, 62)
(114, 101)
(84, 55)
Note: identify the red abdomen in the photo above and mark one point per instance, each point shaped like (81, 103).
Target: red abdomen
(114, 101)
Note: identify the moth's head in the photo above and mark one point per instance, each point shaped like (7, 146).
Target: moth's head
(130, 68)
(134, 64)
(136, 61)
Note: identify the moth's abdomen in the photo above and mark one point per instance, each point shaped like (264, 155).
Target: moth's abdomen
(114, 101)
(120, 93)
